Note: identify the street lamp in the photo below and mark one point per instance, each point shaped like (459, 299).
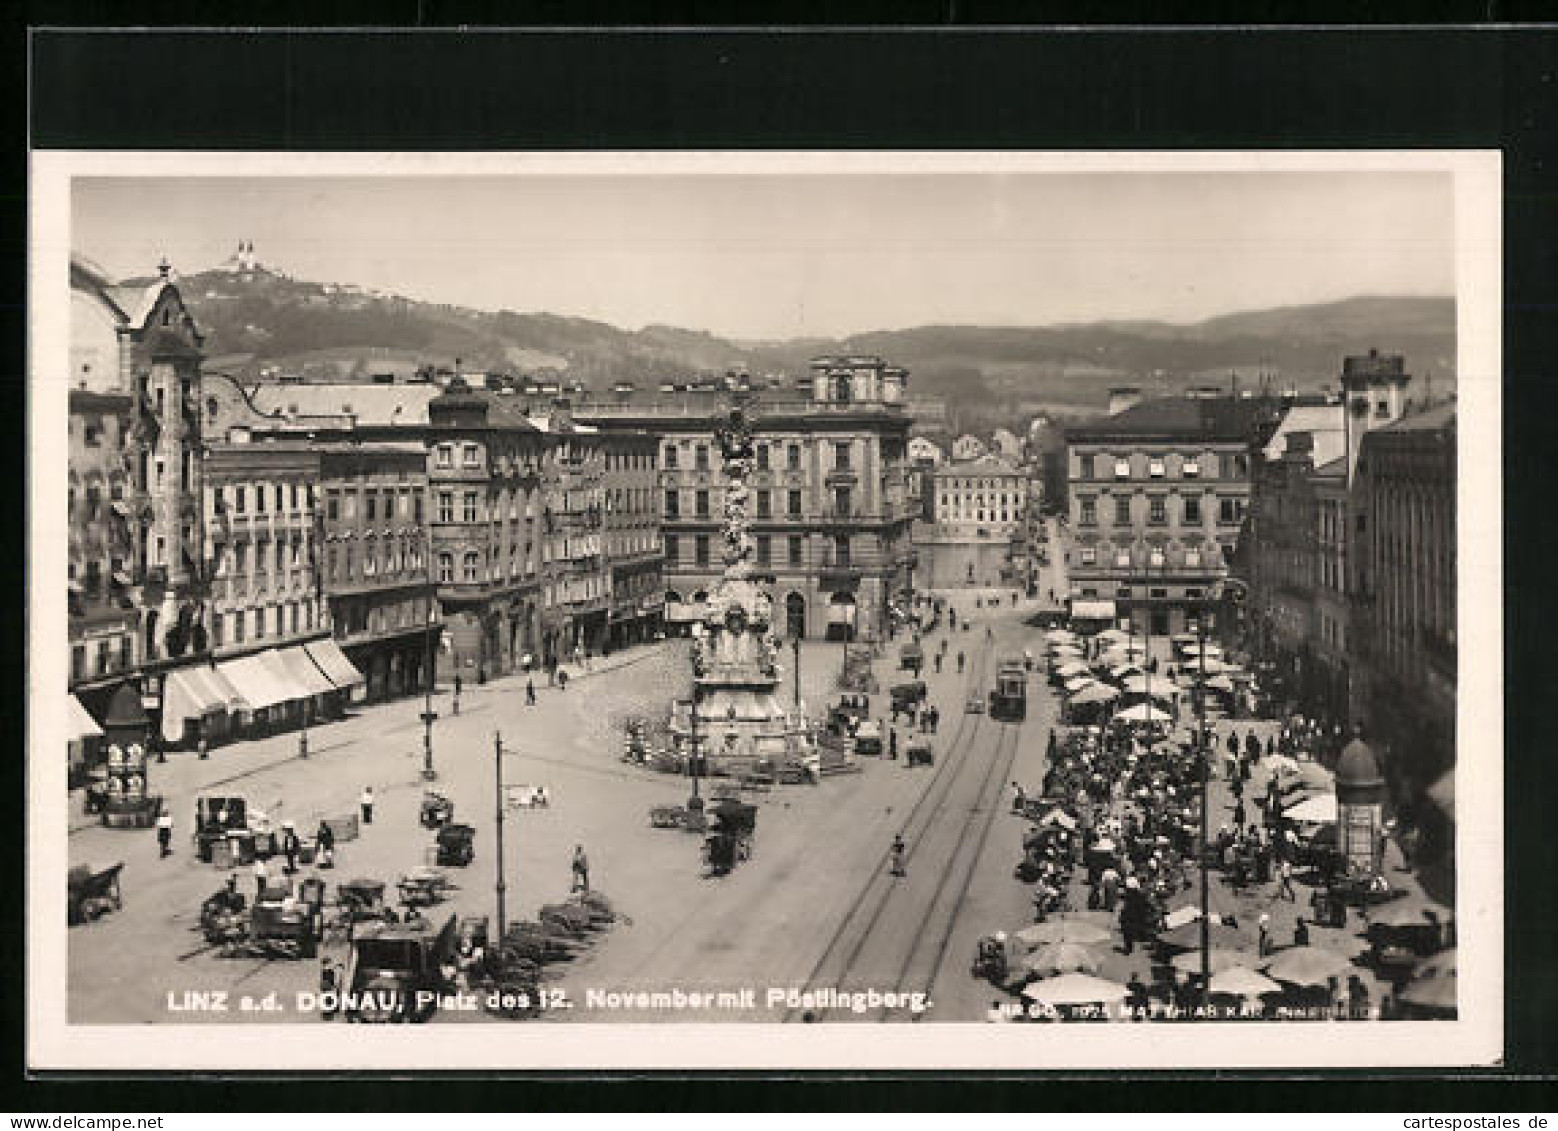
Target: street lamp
(428, 714)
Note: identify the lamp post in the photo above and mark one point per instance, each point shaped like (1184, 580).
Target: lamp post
(428, 714)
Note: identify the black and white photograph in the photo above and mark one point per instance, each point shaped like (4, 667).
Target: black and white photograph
(675, 609)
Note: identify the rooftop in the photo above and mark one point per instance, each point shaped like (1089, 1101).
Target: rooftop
(372, 405)
(1324, 422)
(1179, 418)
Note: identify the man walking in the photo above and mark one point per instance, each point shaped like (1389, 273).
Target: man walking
(581, 870)
(530, 692)
(960, 663)
(898, 856)
(892, 742)
(366, 802)
(1285, 872)
(164, 835)
(260, 876)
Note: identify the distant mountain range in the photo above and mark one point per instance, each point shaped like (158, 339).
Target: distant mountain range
(261, 320)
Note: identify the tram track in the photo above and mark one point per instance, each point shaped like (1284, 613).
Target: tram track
(839, 962)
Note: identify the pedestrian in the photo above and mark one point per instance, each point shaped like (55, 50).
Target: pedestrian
(581, 870)
(562, 679)
(892, 743)
(938, 663)
(1286, 873)
(960, 663)
(1264, 946)
(329, 989)
(898, 856)
(164, 835)
(1238, 813)
(205, 748)
(290, 846)
(530, 692)
(366, 802)
(935, 719)
(324, 845)
(1019, 799)
(1300, 932)
(260, 877)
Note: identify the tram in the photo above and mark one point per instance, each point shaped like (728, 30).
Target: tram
(1009, 699)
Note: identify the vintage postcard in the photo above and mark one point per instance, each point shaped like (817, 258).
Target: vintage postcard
(625, 611)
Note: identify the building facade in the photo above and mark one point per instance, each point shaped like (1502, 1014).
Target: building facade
(980, 518)
(1158, 494)
(1404, 596)
(830, 510)
(375, 565)
(635, 555)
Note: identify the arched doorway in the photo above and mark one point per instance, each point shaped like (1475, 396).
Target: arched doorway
(841, 617)
(795, 616)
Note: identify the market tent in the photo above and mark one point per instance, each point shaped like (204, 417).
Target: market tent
(1307, 966)
(1062, 929)
(1078, 683)
(301, 670)
(1143, 713)
(1114, 634)
(1410, 912)
(1071, 667)
(1187, 935)
(193, 693)
(1220, 683)
(1075, 989)
(1060, 958)
(1092, 610)
(1221, 958)
(1094, 693)
(1060, 635)
(257, 685)
(1240, 981)
(1317, 810)
(79, 723)
(1125, 671)
(1159, 688)
(1282, 763)
(333, 662)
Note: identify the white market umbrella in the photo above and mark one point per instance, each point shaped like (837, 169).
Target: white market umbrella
(1125, 670)
(1079, 683)
(1060, 635)
(1283, 763)
(1095, 693)
(1075, 989)
(1220, 683)
(1307, 966)
(1241, 981)
(1144, 713)
(1317, 810)
(1071, 666)
(1209, 648)
(1063, 930)
(1159, 688)
(1114, 634)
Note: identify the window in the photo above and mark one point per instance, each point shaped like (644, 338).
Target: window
(764, 549)
(371, 504)
(370, 557)
(1228, 512)
(1122, 469)
(238, 628)
(841, 550)
(793, 502)
(797, 549)
(701, 457)
(1089, 516)
(1241, 467)
(1158, 594)
(469, 510)
(1155, 559)
(1122, 559)
(1157, 513)
(216, 630)
(702, 504)
(672, 549)
(841, 455)
(841, 502)
(472, 566)
(673, 504)
(701, 550)
(331, 562)
(1087, 555)
(1155, 467)
(1122, 512)
(472, 455)
(1192, 510)
(762, 457)
(1087, 466)
(351, 505)
(670, 456)
(294, 496)
(765, 504)
(792, 457)
(1190, 468)
(446, 506)
(281, 556)
(259, 624)
(259, 497)
(445, 567)
(445, 455)
(418, 504)
(281, 500)
(241, 499)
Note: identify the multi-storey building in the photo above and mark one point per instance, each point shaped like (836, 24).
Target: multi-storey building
(968, 447)
(1404, 595)
(138, 585)
(1298, 534)
(488, 524)
(980, 511)
(375, 564)
(1047, 454)
(830, 509)
(1158, 492)
(633, 550)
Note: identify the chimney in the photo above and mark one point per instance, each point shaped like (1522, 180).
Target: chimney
(1122, 398)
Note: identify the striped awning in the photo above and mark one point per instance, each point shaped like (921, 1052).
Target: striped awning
(332, 661)
(257, 683)
(193, 693)
(79, 723)
(301, 670)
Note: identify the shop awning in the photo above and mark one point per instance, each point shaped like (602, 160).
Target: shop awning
(259, 685)
(332, 661)
(79, 723)
(1092, 610)
(302, 670)
(192, 693)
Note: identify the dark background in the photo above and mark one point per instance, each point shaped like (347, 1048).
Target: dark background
(889, 88)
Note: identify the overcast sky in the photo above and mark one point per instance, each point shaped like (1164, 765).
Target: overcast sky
(758, 256)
